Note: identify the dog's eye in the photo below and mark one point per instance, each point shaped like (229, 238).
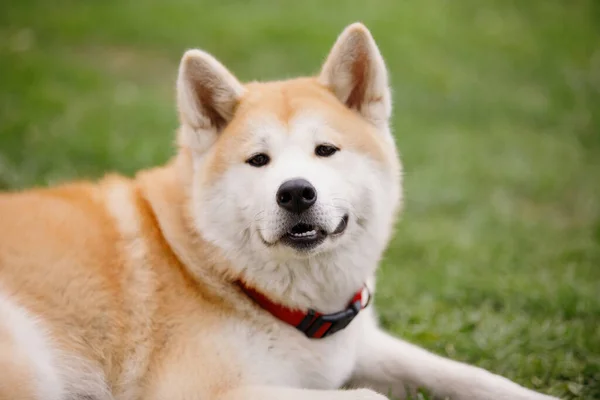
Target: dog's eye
(325, 150)
(258, 160)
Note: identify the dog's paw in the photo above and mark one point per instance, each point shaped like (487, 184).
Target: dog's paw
(367, 394)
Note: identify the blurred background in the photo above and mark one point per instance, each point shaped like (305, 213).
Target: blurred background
(496, 260)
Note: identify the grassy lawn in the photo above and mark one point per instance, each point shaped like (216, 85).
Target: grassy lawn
(497, 114)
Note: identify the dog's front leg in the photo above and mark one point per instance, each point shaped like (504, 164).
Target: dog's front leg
(283, 393)
(390, 365)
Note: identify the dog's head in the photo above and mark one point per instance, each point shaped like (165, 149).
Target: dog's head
(292, 171)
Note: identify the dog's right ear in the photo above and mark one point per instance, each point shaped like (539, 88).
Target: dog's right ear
(207, 95)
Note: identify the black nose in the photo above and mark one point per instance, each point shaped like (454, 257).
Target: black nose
(296, 195)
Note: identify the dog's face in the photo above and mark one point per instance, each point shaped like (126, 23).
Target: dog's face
(295, 173)
(297, 169)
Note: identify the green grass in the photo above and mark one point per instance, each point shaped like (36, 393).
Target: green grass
(497, 114)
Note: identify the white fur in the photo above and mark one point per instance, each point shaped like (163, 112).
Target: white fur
(57, 375)
(240, 212)
(391, 366)
(31, 340)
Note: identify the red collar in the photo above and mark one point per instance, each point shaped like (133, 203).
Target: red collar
(312, 323)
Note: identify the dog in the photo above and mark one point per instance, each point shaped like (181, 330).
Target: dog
(241, 269)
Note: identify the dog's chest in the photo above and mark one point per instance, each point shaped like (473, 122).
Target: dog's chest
(281, 355)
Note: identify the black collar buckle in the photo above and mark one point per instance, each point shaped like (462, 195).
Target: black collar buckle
(312, 326)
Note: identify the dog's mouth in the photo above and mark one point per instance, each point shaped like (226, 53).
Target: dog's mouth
(304, 236)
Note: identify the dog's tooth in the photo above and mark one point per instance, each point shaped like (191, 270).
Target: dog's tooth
(312, 232)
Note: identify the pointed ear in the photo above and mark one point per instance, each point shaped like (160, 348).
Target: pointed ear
(355, 72)
(207, 95)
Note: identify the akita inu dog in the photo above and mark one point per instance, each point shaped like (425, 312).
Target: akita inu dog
(243, 269)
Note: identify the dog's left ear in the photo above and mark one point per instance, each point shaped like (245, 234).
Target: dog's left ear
(355, 72)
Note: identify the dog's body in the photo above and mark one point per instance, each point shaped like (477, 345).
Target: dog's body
(130, 288)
